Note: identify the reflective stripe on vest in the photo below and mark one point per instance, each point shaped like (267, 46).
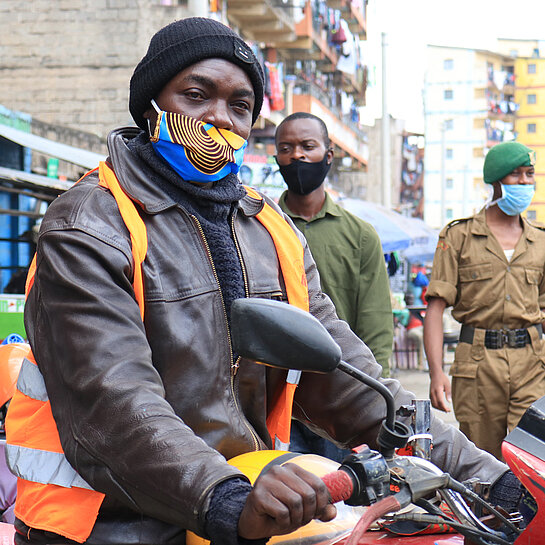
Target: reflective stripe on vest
(31, 382)
(51, 495)
(40, 466)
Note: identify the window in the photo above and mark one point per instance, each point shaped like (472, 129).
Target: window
(531, 127)
(448, 64)
(478, 123)
(449, 153)
(478, 152)
(532, 99)
(448, 94)
(449, 124)
(531, 214)
(449, 183)
(449, 214)
(480, 93)
(531, 68)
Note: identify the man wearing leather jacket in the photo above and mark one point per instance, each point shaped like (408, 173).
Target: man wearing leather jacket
(148, 410)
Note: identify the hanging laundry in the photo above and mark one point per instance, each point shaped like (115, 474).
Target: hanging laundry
(276, 96)
(347, 61)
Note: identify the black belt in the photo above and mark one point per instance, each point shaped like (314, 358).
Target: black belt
(498, 338)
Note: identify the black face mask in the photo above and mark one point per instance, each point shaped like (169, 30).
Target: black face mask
(303, 178)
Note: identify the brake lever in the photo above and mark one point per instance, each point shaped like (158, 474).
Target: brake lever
(423, 478)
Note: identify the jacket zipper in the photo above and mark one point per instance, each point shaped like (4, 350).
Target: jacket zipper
(234, 364)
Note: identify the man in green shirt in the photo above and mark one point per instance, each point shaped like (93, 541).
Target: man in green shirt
(347, 250)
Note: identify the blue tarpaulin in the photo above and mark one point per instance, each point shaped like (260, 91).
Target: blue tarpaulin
(412, 237)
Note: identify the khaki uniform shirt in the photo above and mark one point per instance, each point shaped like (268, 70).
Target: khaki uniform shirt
(471, 273)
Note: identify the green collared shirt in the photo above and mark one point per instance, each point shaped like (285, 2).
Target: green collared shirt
(349, 257)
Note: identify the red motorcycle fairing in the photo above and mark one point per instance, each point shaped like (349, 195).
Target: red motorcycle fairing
(530, 470)
(385, 538)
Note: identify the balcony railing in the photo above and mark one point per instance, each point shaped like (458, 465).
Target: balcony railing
(312, 89)
(268, 21)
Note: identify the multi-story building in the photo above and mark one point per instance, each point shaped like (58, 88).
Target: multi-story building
(68, 63)
(317, 67)
(469, 102)
(530, 119)
(67, 66)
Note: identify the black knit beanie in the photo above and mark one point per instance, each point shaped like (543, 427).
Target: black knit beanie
(181, 44)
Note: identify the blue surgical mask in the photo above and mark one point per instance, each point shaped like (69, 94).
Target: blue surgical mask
(197, 151)
(516, 198)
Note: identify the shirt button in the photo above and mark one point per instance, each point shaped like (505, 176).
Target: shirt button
(474, 275)
(508, 298)
(508, 269)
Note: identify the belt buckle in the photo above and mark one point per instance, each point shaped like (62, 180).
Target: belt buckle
(516, 338)
(510, 338)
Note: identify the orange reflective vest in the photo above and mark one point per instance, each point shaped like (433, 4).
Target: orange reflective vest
(51, 495)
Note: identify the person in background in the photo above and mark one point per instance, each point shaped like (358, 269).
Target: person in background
(419, 287)
(347, 250)
(491, 268)
(415, 330)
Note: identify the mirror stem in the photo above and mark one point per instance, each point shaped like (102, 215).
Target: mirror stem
(376, 385)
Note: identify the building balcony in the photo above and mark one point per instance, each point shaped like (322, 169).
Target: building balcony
(353, 12)
(264, 21)
(310, 42)
(347, 136)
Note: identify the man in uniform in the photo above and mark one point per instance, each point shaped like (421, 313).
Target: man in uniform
(490, 268)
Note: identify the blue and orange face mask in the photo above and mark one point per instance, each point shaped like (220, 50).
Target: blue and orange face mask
(197, 151)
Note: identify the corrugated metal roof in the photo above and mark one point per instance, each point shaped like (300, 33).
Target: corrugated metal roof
(33, 181)
(77, 156)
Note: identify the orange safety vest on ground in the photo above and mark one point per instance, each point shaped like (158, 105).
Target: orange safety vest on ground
(51, 495)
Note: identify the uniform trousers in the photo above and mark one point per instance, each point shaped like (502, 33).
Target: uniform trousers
(492, 388)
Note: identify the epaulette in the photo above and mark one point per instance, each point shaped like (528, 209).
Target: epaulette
(536, 224)
(456, 222)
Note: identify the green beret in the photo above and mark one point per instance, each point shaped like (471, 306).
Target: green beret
(503, 158)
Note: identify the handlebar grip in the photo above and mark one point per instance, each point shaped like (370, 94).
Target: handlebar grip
(340, 485)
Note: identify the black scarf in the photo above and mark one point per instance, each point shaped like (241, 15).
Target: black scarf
(212, 206)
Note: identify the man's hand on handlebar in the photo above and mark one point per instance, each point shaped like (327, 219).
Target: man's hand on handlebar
(282, 500)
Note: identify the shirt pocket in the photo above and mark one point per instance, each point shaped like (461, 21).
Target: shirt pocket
(530, 290)
(533, 276)
(474, 279)
(465, 398)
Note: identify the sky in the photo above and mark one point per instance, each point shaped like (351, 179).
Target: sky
(411, 24)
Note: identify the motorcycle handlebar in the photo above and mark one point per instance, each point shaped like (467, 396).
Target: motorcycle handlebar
(340, 485)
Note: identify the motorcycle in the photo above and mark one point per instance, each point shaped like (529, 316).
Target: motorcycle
(384, 482)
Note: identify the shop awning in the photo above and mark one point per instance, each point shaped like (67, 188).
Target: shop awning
(33, 185)
(392, 236)
(77, 156)
(396, 232)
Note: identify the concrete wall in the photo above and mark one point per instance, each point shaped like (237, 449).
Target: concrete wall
(373, 176)
(68, 62)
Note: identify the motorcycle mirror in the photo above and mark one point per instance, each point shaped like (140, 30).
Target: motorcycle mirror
(281, 335)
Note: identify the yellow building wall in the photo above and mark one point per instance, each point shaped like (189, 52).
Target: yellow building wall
(532, 114)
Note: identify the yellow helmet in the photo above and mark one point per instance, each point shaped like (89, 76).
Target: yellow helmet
(253, 463)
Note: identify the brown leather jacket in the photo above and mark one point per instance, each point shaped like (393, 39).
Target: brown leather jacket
(148, 412)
